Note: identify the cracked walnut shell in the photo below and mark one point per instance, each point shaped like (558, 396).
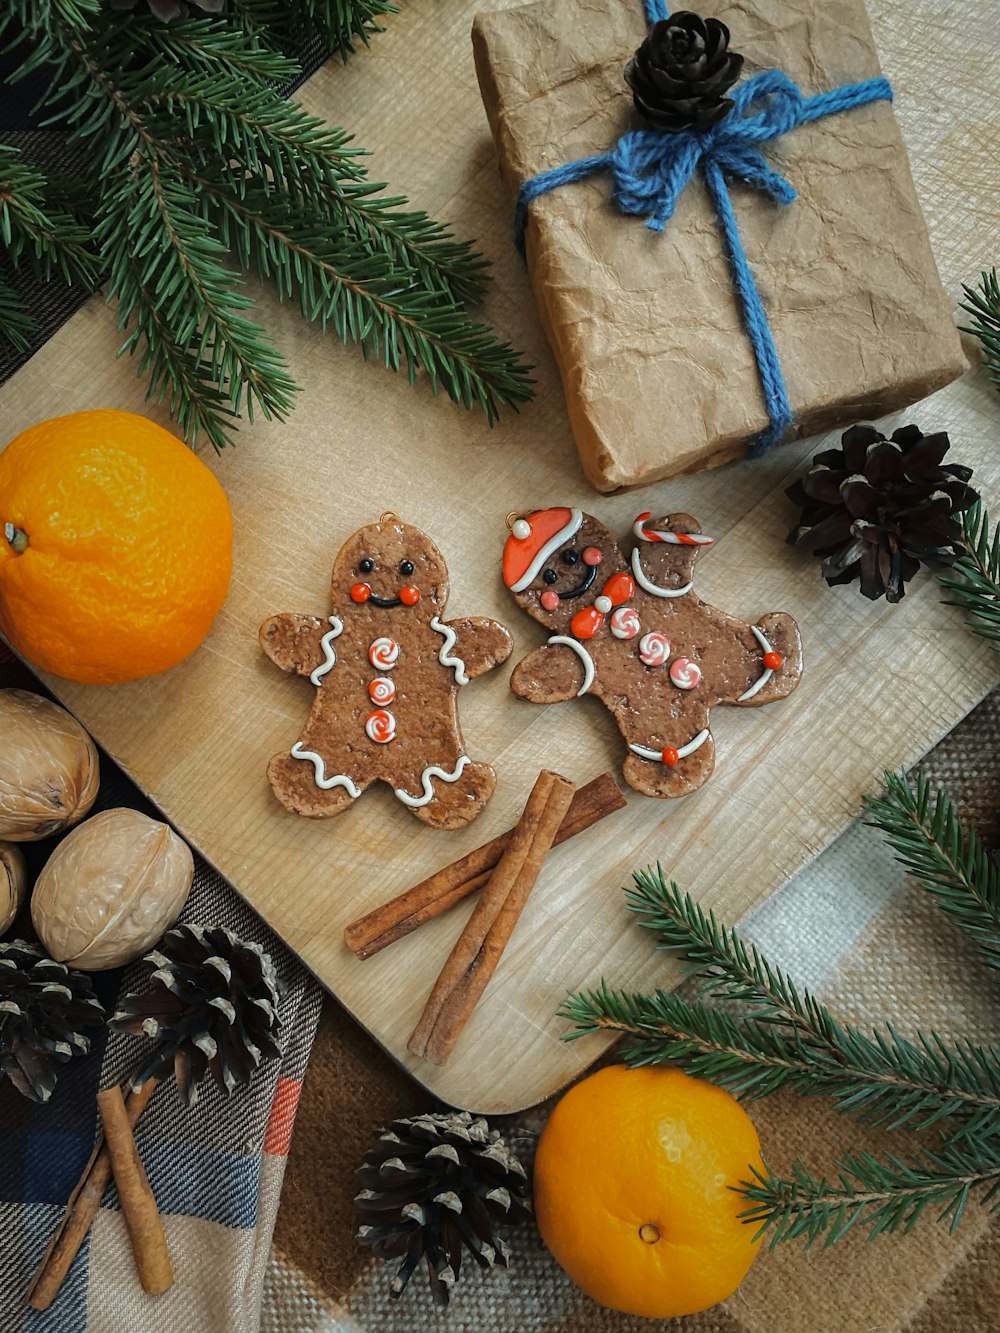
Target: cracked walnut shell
(110, 889)
(13, 884)
(48, 767)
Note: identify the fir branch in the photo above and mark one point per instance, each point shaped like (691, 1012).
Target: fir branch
(884, 1079)
(15, 322)
(974, 579)
(876, 1195)
(948, 863)
(983, 304)
(334, 23)
(47, 239)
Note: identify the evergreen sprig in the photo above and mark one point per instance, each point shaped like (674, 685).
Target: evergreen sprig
(974, 579)
(953, 865)
(786, 1037)
(983, 304)
(203, 176)
(879, 1195)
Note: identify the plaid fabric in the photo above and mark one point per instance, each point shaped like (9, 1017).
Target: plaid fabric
(216, 1169)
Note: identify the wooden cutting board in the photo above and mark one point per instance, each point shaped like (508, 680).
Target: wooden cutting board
(882, 683)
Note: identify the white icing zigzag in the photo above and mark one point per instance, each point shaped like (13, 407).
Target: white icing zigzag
(654, 588)
(450, 638)
(432, 771)
(584, 656)
(765, 676)
(338, 779)
(326, 643)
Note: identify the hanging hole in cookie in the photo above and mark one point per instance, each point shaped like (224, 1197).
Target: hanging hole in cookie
(387, 516)
(517, 525)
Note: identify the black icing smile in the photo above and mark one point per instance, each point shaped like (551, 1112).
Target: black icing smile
(581, 588)
(384, 601)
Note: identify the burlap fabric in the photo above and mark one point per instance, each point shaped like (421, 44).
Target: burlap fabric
(874, 947)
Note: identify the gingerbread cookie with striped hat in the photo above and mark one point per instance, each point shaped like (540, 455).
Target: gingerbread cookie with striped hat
(629, 627)
(386, 668)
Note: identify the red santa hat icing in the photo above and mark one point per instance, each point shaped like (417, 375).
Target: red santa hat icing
(532, 540)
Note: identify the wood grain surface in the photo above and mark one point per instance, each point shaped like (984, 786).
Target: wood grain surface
(881, 685)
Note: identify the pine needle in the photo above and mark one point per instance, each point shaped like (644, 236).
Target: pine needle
(974, 579)
(983, 304)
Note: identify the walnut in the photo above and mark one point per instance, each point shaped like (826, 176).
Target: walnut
(48, 767)
(13, 884)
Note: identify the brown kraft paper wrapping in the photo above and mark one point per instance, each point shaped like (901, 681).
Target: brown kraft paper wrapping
(658, 372)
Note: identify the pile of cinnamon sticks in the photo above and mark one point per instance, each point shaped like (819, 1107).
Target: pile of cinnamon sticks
(508, 867)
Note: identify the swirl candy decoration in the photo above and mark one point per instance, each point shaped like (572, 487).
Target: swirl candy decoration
(654, 649)
(381, 691)
(384, 654)
(625, 622)
(381, 726)
(685, 674)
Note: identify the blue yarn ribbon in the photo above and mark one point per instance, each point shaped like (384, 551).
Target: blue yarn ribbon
(650, 169)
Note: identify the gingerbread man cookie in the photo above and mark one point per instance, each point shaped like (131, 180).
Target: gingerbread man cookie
(632, 630)
(387, 670)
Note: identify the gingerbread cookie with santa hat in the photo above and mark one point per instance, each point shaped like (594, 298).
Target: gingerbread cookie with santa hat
(630, 628)
(387, 669)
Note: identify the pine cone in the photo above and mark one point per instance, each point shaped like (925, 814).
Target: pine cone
(680, 72)
(434, 1183)
(168, 10)
(880, 508)
(43, 1006)
(213, 1006)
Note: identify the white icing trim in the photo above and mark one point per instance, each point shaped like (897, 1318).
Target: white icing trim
(585, 657)
(682, 753)
(432, 771)
(553, 544)
(664, 535)
(450, 639)
(338, 779)
(761, 680)
(654, 588)
(326, 643)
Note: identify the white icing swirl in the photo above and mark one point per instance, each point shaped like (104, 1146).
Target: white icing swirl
(382, 690)
(450, 637)
(336, 780)
(685, 674)
(383, 654)
(625, 622)
(326, 643)
(654, 649)
(432, 771)
(381, 726)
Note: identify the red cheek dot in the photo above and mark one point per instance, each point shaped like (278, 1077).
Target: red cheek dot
(549, 600)
(670, 756)
(409, 595)
(593, 555)
(360, 592)
(773, 661)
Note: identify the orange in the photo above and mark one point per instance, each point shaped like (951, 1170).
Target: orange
(632, 1190)
(115, 547)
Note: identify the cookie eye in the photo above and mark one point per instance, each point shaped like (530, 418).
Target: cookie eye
(549, 576)
(406, 567)
(366, 565)
(569, 557)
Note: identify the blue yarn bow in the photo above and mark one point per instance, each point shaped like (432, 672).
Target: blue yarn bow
(650, 169)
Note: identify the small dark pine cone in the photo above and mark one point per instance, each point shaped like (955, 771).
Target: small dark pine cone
(880, 508)
(433, 1184)
(680, 73)
(213, 1007)
(43, 1006)
(168, 10)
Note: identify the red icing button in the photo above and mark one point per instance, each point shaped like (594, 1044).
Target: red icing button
(592, 555)
(409, 595)
(549, 600)
(670, 756)
(773, 661)
(586, 623)
(360, 592)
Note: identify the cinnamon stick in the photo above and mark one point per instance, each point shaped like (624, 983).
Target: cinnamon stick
(435, 895)
(81, 1209)
(142, 1217)
(480, 946)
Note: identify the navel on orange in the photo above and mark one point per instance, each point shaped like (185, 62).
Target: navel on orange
(632, 1192)
(115, 547)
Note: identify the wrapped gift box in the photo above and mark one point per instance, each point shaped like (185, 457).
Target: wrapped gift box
(658, 371)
